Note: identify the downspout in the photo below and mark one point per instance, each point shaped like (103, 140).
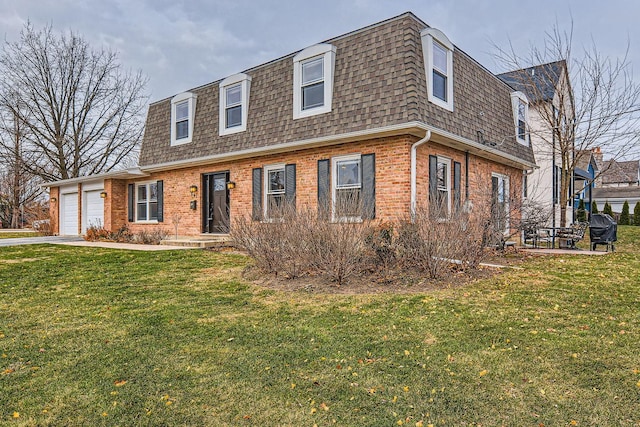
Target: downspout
(414, 154)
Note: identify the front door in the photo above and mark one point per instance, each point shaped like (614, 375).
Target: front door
(215, 204)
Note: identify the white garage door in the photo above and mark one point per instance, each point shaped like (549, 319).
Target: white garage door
(94, 213)
(69, 214)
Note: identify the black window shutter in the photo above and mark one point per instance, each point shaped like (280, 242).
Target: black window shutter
(131, 198)
(368, 186)
(257, 194)
(433, 177)
(323, 188)
(160, 185)
(290, 185)
(457, 169)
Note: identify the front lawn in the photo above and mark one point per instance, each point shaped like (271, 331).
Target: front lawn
(17, 234)
(96, 337)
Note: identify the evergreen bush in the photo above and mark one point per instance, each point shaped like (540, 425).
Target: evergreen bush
(594, 207)
(607, 209)
(636, 214)
(624, 216)
(581, 213)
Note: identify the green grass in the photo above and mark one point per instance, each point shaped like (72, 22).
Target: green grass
(17, 234)
(96, 337)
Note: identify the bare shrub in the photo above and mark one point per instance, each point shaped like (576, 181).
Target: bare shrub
(262, 241)
(435, 245)
(295, 243)
(338, 249)
(153, 237)
(96, 232)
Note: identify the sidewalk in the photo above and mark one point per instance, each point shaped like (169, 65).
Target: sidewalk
(78, 241)
(126, 246)
(543, 251)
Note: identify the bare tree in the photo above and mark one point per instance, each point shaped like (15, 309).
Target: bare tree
(582, 102)
(17, 185)
(81, 113)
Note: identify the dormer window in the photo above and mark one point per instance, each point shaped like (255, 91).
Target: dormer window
(182, 120)
(313, 70)
(520, 106)
(438, 59)
(233, 106)
(234, 103)
(183, 110)
(313, 83)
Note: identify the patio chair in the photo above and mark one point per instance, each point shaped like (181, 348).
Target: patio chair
(530, 237)
(544, 237)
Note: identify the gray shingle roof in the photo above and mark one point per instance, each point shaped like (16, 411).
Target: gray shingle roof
(616, 172)
(538, 83)
(379, 81)
(610, 193)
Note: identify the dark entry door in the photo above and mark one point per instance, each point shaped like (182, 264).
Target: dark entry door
(216, 202)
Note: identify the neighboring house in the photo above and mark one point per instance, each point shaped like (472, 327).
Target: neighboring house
(616, 196)
(584, 174)
(620, 174)
(393, 114)
(618, 182)
(541, 86)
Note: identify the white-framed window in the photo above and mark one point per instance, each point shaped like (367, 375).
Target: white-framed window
(347, 187)
(234, 103)
(437, 51)
(500, 202)
(183, 110)
(313, 70)
(520, 106)
(274, 191)
(443, 187)
(147, 201)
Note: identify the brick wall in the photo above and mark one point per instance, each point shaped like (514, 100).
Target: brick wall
(54, 209)
(115, 205)
(392, 182)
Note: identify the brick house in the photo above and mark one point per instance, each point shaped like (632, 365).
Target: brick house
(392, 114)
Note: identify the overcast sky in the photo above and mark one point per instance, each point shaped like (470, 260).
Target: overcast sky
(180, 45)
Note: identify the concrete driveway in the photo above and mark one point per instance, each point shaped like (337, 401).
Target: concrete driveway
(38, 240)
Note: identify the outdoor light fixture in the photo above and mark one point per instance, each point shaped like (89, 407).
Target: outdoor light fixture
(54, 199)
(103, 194)
(193, 189)
(231, 185)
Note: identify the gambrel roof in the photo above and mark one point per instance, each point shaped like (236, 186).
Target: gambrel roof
(380, 85)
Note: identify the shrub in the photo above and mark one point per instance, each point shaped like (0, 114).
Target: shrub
(97, 233)
(594, 207)
(153, 237)
(624, 215)
(297, 243)
(636, 214)
(607, 209)
(581, 213)
(433, 245)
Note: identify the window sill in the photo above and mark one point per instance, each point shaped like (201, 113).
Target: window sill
(232, 130)
(152, 221)
(180, 142)
(300, 114)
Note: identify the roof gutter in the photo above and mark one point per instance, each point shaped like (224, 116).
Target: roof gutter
(122, 174)
(413, 128)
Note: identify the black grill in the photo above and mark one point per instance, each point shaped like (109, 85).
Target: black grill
(603, 230)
